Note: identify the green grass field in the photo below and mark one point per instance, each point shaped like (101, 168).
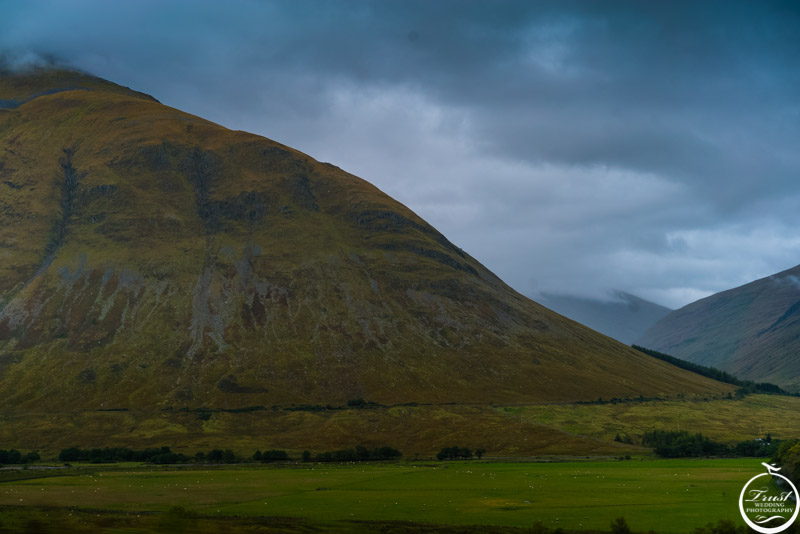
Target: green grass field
(662, 495)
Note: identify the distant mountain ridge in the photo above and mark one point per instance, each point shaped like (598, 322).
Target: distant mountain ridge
(623, 316)
(752, 331)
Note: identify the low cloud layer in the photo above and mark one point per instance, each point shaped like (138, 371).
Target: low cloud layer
(570, 146)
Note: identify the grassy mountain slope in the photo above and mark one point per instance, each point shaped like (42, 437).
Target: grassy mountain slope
(152, 259)
(752, 331)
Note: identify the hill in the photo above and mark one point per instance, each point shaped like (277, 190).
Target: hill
(752, 331)
(155, 261)
(623, 316)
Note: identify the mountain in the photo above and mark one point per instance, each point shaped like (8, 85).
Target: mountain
(152, 261)
(623, 316)
(752, 331)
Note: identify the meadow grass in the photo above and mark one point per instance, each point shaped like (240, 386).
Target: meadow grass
(662, 495)
(722, 420)
(418, 431)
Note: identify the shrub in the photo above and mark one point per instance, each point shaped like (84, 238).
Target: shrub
(620, 526)
(10, 457)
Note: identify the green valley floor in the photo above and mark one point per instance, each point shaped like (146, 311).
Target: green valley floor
(456, 496)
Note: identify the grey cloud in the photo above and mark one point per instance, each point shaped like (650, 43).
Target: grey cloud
(456, 106)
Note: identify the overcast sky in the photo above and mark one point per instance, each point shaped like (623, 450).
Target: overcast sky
(572, 147)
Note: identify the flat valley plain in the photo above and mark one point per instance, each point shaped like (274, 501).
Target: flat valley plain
(660, 495)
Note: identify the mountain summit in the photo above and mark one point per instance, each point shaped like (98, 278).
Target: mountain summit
(152, 259)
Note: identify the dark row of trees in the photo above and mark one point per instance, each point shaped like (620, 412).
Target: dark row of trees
(270, 456)
(163, 455)
(358, 454)
(14, 457)
(788, 457)
(682, 444)
(458, 453)
(157, 455)
(746, 387)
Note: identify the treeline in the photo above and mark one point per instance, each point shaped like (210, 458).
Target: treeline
(358, 454)
(270, 456)
(682, 444)
(671, 444)
(14, 457)
(458, 453)
(746, 387)
(156, 455)
(163, 455)
(788, 457)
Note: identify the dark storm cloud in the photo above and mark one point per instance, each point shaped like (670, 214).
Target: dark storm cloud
(572, 146)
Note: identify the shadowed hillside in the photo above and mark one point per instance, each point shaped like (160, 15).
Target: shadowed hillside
(623, 316)
(752, 331)
(152, 259)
